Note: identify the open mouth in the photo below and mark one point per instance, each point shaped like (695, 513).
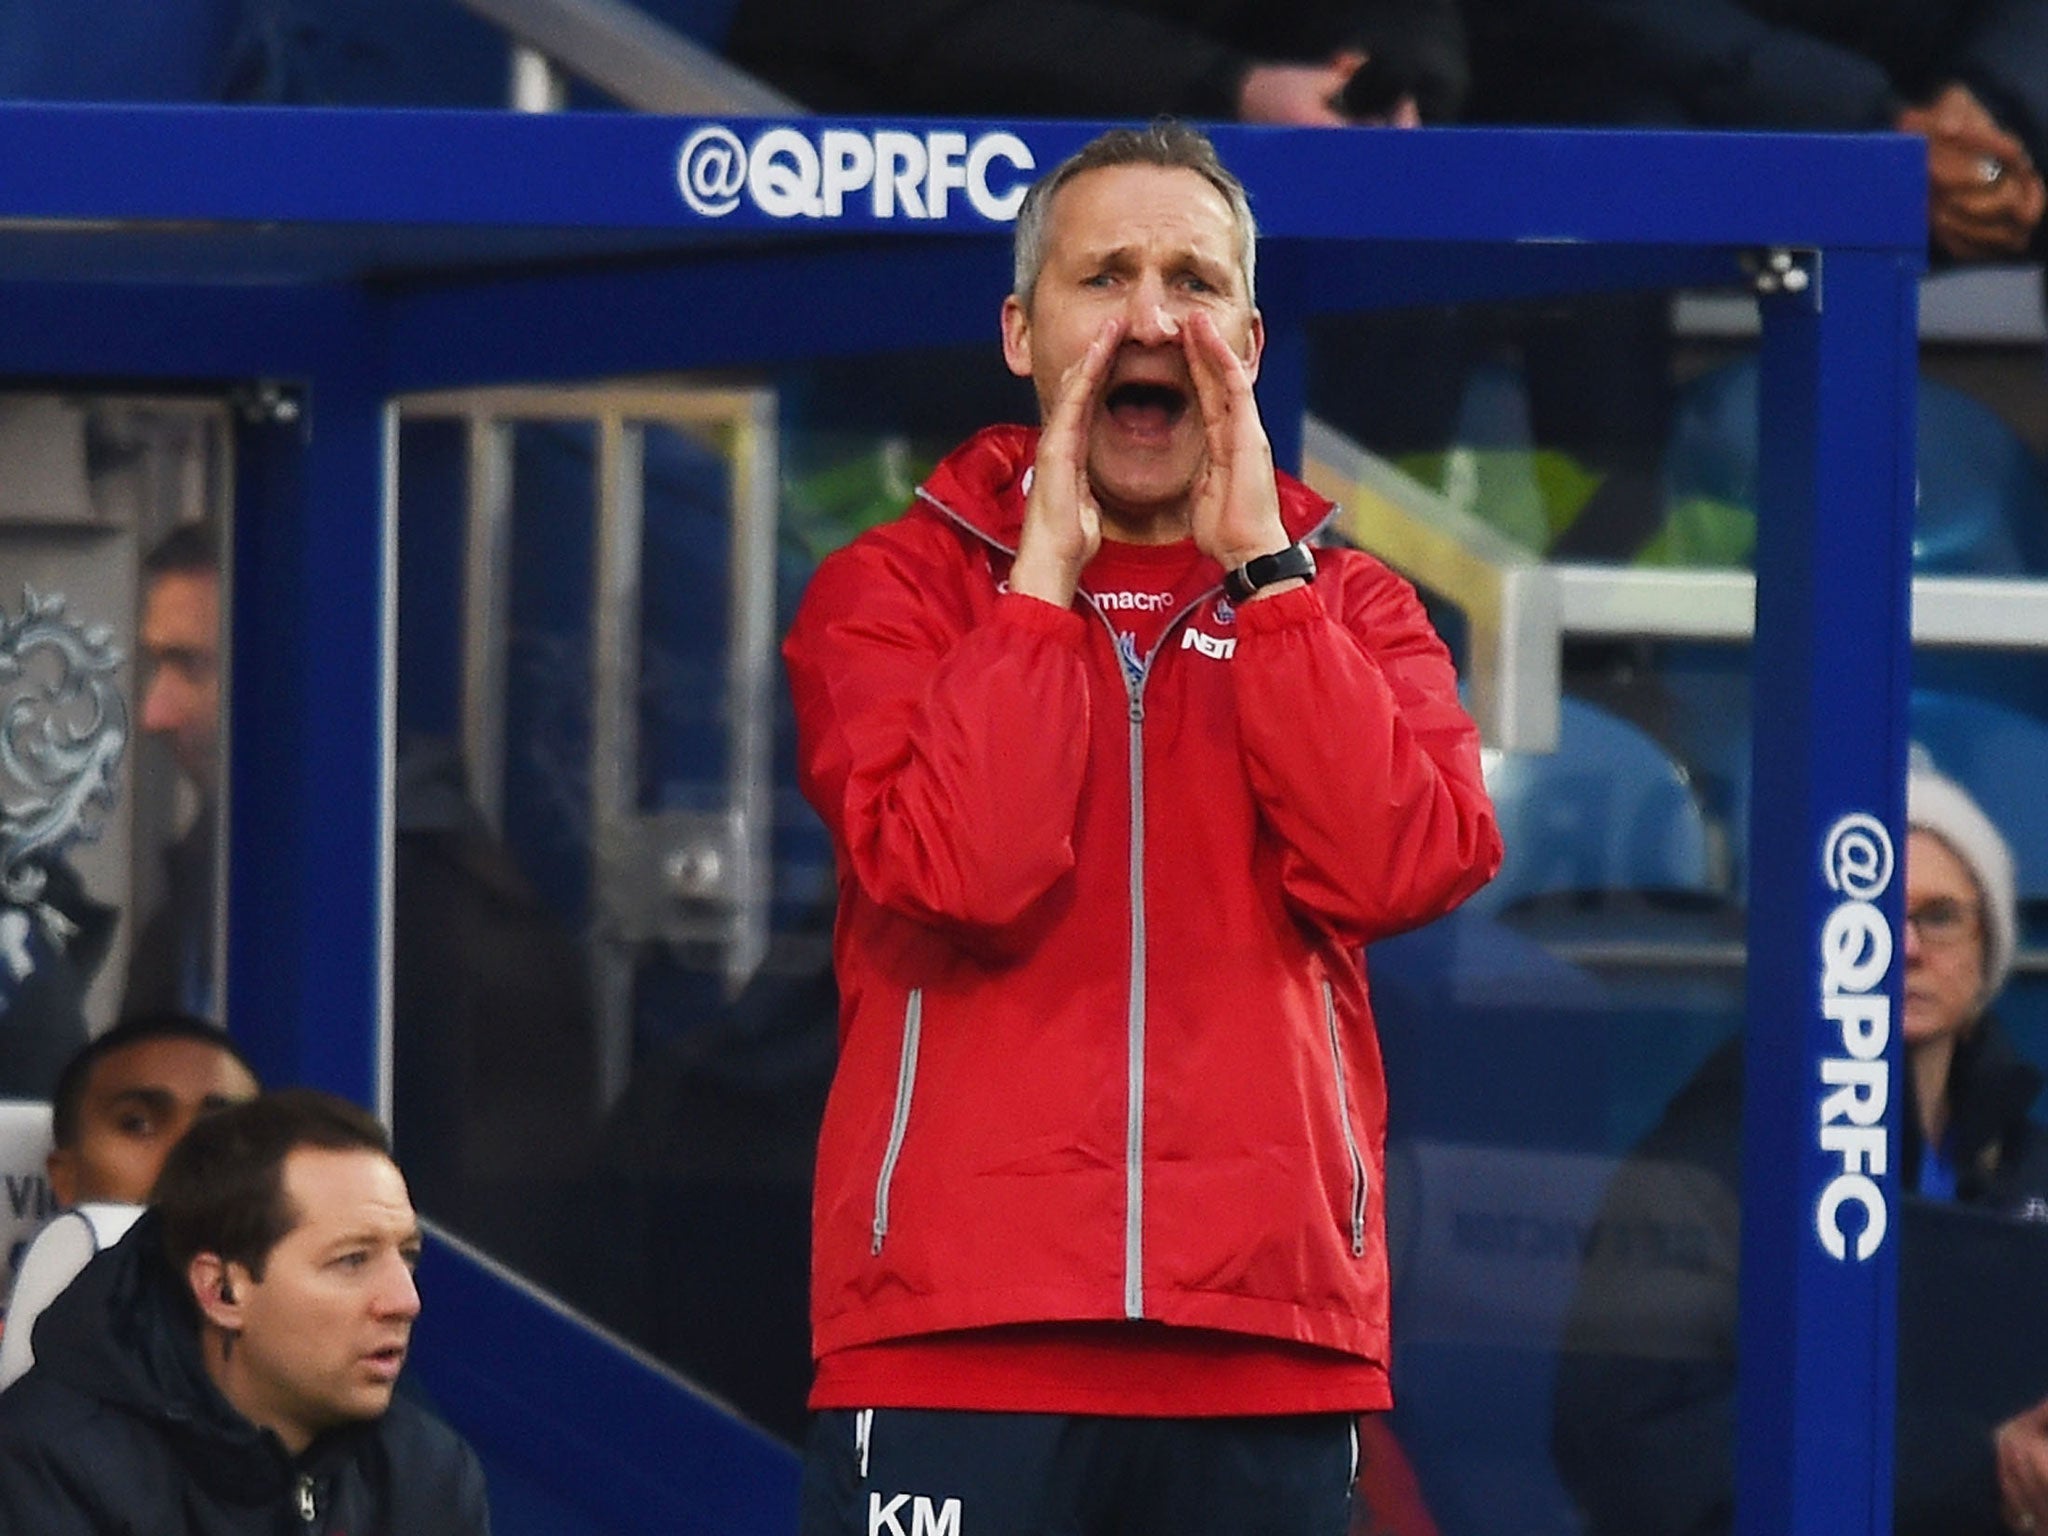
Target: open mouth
(1145, 408)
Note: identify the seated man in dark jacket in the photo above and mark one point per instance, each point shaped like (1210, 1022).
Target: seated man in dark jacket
(1312, 64)
(229, 1365)
(1972, 79)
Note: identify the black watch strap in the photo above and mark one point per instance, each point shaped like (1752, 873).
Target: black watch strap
(1295, 562)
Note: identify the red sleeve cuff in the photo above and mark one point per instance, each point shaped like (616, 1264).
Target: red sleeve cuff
(1040, 617)
(1283, 610)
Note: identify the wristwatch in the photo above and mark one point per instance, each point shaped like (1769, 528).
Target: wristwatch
(1297, 562)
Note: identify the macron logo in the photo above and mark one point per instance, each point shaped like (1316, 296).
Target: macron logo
(883, 1519)
(1134, 602)
(1217, 647)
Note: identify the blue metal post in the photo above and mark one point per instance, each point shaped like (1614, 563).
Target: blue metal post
(1824, 1090)
(308, 830)
(1283, 388)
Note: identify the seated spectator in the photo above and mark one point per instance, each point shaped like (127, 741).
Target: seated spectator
(1644, 1425)
(121, 1103)
(230, 1364)
(171, 963)
(1597, 371)
(1972, 79)
(127, 1097)
(1320, 65)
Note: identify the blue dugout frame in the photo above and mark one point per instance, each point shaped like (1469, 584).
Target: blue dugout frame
(340, 257)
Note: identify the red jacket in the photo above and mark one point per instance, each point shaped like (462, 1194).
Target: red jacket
(1105, 1047)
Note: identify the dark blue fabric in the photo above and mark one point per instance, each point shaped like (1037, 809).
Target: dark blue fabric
(298, 52)
(1033, 1474)
(115, 50)
(365, 53)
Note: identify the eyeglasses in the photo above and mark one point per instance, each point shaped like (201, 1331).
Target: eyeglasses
(1943, 921)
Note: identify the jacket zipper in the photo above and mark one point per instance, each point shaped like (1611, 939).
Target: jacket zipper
(1134, 1111)
(1344, 1119)
(1134, 1071)
(308, 1510)
(899, 1119)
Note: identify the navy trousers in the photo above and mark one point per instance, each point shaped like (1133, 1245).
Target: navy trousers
(921, 1472)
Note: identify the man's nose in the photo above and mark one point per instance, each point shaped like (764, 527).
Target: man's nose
(1155, 318)
(163, 710)
(399, 1296)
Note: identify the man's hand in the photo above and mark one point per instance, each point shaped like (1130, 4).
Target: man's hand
(1062, 521)
(1298, 95)
(2021, 1443)
(1985, 196)
(1236, 511)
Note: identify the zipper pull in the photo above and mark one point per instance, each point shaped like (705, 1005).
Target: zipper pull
(307, 1509)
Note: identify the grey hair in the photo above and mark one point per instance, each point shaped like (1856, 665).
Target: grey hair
(1166, 142)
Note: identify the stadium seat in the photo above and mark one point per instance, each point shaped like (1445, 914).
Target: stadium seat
(1609, 811)
(1983, 493)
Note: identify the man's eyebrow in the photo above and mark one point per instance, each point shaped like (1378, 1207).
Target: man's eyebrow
(182, 654)
(1217, 269)
(375, 1237)
(1181, 259)
(148, 1096)
(1100, 255)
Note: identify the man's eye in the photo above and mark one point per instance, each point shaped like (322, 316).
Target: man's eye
(136, 1125)
(354, 1259)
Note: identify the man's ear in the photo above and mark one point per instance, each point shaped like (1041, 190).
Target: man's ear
(214, 1290)
(61, 1166)
(1257, 338)
(1017, 337)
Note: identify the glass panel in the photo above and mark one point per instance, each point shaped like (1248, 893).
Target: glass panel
(1563, 1054)
(110, 750)
(109, 691)
(494, 1099)
(615, 1007)
(1534, 1039)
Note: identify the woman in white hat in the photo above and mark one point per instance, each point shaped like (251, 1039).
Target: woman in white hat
(1644, 1424)
(1969, 1137)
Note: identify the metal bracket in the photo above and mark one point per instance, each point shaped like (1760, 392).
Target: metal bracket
(267, 403)
(1781, 269)
(682, 878)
